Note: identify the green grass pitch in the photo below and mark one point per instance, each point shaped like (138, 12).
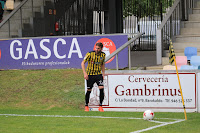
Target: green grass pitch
(52, 101)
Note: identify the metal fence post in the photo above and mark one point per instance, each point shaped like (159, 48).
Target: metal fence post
(32, 7)
(170, 26)
(129, 57)
(9, 28)
(187, 9)
(117, 63)
(159, 51)
(183, 10)
(21, 17)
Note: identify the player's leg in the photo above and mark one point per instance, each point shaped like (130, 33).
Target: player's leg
(101, 95)
(87, 98)
(101, 91)
(90, 83)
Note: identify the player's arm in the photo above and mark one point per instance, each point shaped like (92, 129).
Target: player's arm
(103, 66)
(83, 68)
(103, 69)
(86, 58)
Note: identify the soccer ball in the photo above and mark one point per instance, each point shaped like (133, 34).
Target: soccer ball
(148, 115)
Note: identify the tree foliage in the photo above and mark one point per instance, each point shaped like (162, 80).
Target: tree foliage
(142, 8)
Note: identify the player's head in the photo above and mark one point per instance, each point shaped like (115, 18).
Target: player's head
(99, 44)
(98, 48)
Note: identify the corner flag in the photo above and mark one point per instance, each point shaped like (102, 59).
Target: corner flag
(172, 58)
(171, 52)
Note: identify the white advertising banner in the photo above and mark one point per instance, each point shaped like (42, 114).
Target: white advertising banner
(156, 91)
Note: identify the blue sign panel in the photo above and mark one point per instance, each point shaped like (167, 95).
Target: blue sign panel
(58, 52)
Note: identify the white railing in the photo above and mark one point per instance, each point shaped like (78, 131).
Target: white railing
(127, 44)
(171, 25)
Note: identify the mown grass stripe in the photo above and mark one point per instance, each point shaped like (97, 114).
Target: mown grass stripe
(103, 117)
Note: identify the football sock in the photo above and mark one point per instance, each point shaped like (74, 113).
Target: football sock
(87, 97)
(101, 96)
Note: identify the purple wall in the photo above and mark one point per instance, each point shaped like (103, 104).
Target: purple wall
(57, 53)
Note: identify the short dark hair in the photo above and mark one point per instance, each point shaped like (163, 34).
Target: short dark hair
(100, 44)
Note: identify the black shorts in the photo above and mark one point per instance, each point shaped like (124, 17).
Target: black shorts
(94, 79)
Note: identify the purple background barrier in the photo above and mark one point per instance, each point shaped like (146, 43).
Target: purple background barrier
(56, 53)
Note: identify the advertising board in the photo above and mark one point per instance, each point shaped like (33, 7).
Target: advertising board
(157, 91)
(58, 52)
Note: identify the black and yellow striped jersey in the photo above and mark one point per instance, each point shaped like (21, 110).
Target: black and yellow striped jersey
(95, 62)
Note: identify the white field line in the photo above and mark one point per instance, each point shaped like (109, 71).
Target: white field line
(71, 116)
(163, 124)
